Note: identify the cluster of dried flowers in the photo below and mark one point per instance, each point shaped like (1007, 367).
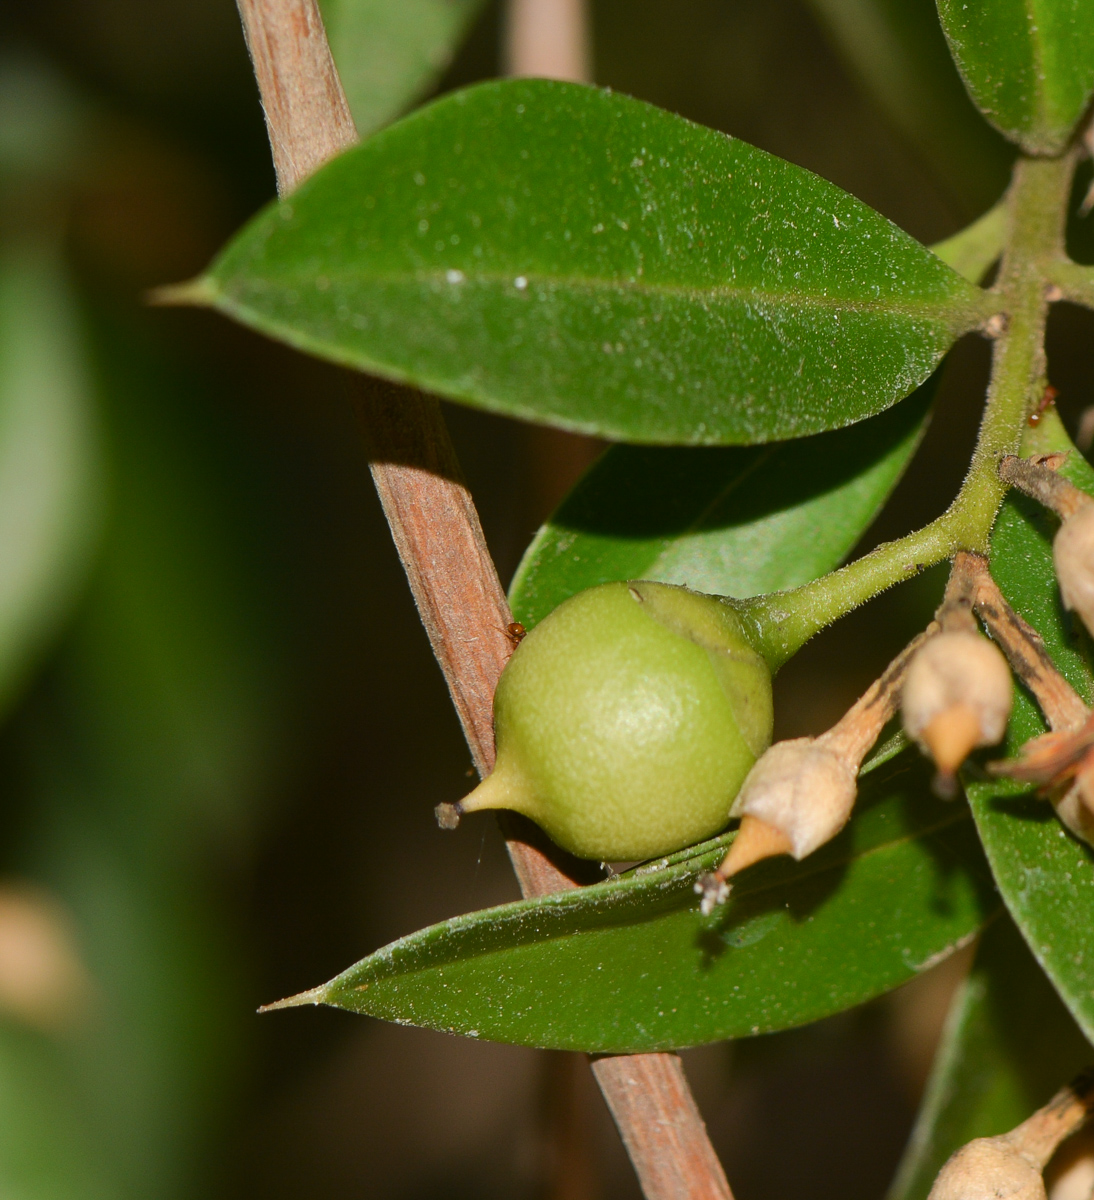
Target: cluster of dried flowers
(953, 688)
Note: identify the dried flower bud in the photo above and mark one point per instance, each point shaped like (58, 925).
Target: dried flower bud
(987, 1169)
(957, 696)
(1073, 807)
(1073, 554)
(798, 796)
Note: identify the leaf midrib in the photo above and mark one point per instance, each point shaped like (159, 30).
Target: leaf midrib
(958, 309)
(1037, 54)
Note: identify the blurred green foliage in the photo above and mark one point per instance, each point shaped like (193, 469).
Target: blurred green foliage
(143, 744)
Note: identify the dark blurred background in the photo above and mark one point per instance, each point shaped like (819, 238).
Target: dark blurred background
(224, 734)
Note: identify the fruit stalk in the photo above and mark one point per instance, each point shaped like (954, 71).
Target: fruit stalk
(957, 693)
(1036, 208)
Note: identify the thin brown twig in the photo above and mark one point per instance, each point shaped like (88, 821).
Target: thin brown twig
(1063, 707)
(954, 614)
(455, 585)
(1037, 477)
(859, 727)
(548, 39)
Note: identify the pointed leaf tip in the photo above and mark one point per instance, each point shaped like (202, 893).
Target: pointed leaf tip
(197, 293)
(315, 995)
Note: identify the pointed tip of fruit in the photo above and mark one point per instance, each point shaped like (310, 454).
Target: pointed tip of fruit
(756, 840)
(500, 789)
(950, 738)
(200, 292)
(315, 995)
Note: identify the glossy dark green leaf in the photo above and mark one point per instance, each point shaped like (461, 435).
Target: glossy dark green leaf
(566, 255)
(1028, 64)
(1008, 1044)
(632, 965)
(733, 521)
(50, 469)
(388, 54)
(1045, 875)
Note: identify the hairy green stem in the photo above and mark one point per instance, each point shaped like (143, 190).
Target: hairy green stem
(1075, 282)
(1036, 202)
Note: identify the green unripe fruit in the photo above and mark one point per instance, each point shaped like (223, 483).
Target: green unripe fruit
(627, 720)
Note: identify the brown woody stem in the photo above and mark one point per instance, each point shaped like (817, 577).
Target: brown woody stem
(859, 727)
(455, 584)
(1029, 660)
(1037, 477)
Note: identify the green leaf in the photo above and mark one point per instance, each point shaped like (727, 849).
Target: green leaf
(735, 521)
(50, 469)
(389, 55)
(1028, 64)
(1008, 1045)
(1045, 875)
(562, 254)
(632, 965)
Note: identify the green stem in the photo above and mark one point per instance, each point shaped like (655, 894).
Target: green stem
(1075, 282)
(783, 622)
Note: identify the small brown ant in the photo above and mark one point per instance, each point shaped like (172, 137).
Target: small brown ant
(1048, 399)
(516, 633)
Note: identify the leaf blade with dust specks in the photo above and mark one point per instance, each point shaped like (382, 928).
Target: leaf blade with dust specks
(566, 255)
(632, 965)
(1028, 64)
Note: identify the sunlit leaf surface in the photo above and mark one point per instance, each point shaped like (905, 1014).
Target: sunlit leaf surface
(567, 255)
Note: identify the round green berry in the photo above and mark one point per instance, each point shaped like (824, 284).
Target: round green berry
(627, 720)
